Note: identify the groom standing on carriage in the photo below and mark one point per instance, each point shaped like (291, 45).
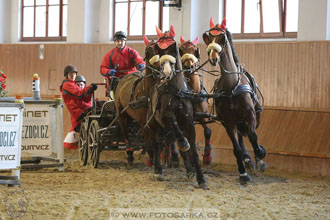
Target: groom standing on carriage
(120, 61)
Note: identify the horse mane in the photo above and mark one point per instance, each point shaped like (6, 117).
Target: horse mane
(230, 39)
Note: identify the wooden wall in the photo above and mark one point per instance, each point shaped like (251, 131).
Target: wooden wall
(299, 134)
(290, 74)
(294, 78)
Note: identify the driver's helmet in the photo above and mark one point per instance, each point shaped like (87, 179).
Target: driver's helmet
(120, 35)
(80, 78)
(69, 69)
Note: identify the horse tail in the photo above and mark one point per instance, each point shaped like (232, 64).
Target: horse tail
(242, 128)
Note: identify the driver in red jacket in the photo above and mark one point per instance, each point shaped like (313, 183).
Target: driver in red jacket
(77, 101)
(121, 60)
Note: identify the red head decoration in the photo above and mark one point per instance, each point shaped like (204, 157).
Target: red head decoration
(222, 26)
(146, 41)
(161, 34)
(165, 42)
(195, 42)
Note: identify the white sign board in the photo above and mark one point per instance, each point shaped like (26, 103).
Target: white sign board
(36, 131)
(10, 137)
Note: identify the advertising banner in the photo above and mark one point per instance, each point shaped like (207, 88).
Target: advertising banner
(10, 137)
(37, 131)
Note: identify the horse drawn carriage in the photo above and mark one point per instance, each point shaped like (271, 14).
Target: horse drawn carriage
(168, 104)
(100, 131)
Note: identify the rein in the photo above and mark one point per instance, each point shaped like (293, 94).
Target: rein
(154, 70)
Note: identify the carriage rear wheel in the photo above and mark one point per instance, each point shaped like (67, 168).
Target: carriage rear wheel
(82, 145)
(94, 147)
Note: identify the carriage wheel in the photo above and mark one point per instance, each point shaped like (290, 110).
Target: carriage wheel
(93, 144)
(82, 145)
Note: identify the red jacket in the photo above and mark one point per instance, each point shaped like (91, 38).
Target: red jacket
(127, 59)
(77, 100)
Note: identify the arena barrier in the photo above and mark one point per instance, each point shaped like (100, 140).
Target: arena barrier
(42, 134)
(11, 117)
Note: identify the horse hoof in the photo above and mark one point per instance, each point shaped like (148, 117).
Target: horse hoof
(262, 152)
(249, 165)
(261, 166)
(207, 159)
(203, 186)
(190, 175)
(160, 177)
(244, 179)
(183, 145)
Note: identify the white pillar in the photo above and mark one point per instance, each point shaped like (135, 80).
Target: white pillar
(76, 21)
(312, 20)
(194, 17)
(328, 20)
(180, 19)
(201, 12)
(5, 21)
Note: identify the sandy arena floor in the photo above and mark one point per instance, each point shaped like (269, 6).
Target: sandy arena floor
(87, 193)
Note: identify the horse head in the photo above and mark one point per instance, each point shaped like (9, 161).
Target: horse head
(151, 57)
(189, 52)
(215, 40)
(167, 50)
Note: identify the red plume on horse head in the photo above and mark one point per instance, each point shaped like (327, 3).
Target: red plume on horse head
(194, 42)
(161, 34)
(222, 26)
(217, 31)
(146, 41)
(182, 40)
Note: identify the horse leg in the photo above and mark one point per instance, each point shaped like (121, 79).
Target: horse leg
(158, 170)
(207, 158)
(193, 155)
(186, 161)
(123, 122)
(171, 122)
(148, 140)
(174, 156)
(259, 151)
(246, 156)
(233, 135)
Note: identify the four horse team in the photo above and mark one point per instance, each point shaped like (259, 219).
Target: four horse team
(173, 99)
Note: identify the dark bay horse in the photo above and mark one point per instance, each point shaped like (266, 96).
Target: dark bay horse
(132, 94)
(190, 56)
(233, 99)
(170, 110)
(131, 99)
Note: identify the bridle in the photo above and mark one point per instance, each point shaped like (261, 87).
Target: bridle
(187, 45)
(223, 47)
(155, 72)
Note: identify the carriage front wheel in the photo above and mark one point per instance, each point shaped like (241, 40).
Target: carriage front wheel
(94, 146)
(82, 145)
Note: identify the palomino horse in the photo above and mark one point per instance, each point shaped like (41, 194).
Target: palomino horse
(190, 56)
(170, 109)
(132, 95)
(233, 99)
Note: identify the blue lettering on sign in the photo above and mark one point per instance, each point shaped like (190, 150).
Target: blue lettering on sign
(7, 139)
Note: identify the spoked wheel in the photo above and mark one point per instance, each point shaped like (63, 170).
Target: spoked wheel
(93, 144)
(82, 145)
